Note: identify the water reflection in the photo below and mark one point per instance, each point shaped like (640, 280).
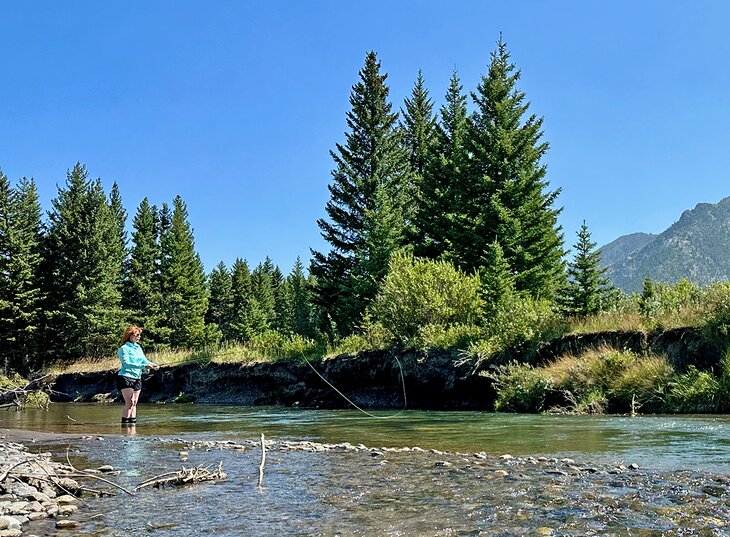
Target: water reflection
(669, 442)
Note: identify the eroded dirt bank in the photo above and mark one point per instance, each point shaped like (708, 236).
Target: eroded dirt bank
(433, 380)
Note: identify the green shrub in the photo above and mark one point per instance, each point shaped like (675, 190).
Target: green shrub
(611, 379)
(421, 292)
(520, 388)
(664, 305)
(274, 345)
(522, 320)
(642, 382)
(458, 336)
(350, 345)
(717, 318)
(695, 391)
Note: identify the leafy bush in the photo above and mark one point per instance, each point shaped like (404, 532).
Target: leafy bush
(458, 336)
(275, 345)
(694, 391)
(523, 319)
(520, 387)
(717, 317)
(664, 305)
(350, 345)
(421, 292)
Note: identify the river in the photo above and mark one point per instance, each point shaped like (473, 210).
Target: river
(679, 487)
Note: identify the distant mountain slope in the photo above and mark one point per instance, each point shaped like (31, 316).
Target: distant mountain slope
(624, 246)
(696, 247)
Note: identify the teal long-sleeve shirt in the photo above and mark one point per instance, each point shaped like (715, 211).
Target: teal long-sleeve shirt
(133, 360)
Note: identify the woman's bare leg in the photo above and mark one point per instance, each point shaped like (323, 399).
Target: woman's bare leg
(133, 409)
(127, 394)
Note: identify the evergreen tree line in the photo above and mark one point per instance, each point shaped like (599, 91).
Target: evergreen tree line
(465, 187)
(68, 286)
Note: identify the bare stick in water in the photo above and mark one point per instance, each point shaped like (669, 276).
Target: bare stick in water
(263, 460)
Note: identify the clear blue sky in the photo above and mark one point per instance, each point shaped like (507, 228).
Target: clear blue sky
(235, 105)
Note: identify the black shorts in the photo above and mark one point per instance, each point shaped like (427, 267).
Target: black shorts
(128, 382)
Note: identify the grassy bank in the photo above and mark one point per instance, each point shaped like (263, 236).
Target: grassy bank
(597, 380)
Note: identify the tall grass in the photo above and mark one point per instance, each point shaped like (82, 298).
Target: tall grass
(266, 347)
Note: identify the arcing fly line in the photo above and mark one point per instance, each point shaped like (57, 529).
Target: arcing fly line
(403, 384)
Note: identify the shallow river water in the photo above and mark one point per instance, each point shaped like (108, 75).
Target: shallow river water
(568, 475)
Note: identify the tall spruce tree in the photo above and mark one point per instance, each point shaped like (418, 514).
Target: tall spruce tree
(506, 197)
(262, 308)
(220, 303)
(372, 159)
(142, 297)
(20, 257)
(241, 300)
(120, 220)
(81, 272)
(587, 289)
(418, 125)
(442, 194)
(497, 282)
(183, 285)
(300, 302)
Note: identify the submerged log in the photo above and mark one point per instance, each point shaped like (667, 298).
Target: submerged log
(186, 476)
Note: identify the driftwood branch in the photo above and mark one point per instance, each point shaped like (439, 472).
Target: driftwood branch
(263, 460)
(184, 477)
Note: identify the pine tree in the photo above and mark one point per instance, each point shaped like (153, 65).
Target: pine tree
(506, 197)
(262, 308)
(20, 257)
(120, 221)
(300, 307)
(587, 289)
(441, 194)
(184, 292)
(220, 303)
(372, 159)
(497, 282)
(142, 297)
(240, 327)
(418, 125)
(81, 271)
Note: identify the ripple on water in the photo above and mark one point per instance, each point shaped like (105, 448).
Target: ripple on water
(340, 492)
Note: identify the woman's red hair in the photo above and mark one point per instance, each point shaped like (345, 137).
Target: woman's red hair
(129, 332)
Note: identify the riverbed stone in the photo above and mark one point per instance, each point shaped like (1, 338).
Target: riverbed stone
(17, 508)
(66, 499)
(501, 473)
(11, 532)
(9, 522)
(68, 509)
(67, 524)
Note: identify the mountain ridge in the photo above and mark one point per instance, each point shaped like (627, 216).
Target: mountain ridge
(696, 247)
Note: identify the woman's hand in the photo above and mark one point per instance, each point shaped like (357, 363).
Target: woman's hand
(153, 365)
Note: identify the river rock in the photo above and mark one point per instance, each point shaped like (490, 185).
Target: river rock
(66, 499)
(9, 522)
(501, 473)
(68, 509)
(67, 524)
(14, 532)
(106, 469)
(17, 508)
